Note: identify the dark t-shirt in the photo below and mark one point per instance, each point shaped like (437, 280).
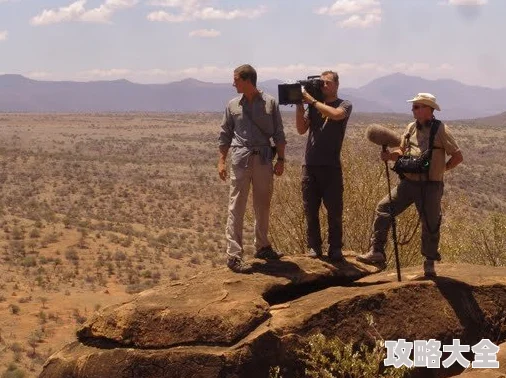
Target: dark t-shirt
(325, 138)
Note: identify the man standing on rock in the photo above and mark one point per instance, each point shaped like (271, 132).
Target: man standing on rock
(425, 189)
(250, 121)
(322, 176)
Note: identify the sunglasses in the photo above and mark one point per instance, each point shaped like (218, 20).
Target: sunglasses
(416, 107)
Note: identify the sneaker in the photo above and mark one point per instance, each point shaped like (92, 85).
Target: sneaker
(238, 265)
(314, 253)
(267, 253)
(335, 255)
(428, 269)
(372, 258)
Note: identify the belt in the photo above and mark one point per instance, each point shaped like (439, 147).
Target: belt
(255, 152)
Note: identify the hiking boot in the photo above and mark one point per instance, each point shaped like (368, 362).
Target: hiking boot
(428, 269)
(267, 253)
(238, 265)
(335, 255)
(314, 253)
(372, 258)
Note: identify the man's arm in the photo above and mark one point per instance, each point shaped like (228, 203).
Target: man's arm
(222, 162)
(279, 140)
(336, 114)
(279, 167)
(455, 159)
(301, 122)
(451, 147)
(226, 134)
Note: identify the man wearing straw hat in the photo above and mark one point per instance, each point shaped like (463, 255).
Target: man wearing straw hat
(424, 189)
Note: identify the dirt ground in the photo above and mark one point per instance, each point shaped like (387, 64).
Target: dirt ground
(95, 208)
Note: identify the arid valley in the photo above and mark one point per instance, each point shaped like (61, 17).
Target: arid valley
(95, 208)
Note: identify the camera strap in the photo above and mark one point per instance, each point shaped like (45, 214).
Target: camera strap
(433, 130)
(250, 118)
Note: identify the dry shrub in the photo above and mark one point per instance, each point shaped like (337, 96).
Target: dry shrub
(365, 185)
(475, 239)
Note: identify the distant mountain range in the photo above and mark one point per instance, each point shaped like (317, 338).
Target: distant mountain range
(498, 120)
(387, 94)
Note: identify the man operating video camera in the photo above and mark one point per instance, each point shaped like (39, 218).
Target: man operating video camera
(322, 178)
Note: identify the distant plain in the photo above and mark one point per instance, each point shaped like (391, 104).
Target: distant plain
(97, 207)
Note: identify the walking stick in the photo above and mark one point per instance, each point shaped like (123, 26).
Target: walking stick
(394, 224)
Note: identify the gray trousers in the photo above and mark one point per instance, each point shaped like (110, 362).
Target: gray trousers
(260, 177)
(427, 198)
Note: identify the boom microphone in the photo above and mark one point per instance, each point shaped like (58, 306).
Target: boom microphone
(383, 136)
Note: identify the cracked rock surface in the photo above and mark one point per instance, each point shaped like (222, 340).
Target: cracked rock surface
(221, 324)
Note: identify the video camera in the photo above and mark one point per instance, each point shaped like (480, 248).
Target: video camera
(290, 94)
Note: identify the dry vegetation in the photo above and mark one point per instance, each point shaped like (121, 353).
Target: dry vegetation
(95, 208)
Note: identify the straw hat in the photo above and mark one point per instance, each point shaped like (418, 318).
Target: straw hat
(426, 99)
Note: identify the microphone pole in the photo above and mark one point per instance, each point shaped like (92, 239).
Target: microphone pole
(394, 225)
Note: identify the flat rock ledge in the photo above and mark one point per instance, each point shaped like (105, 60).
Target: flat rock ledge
(222, 324)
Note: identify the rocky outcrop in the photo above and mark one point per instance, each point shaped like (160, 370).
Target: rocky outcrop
(220, 324)
(489, 373)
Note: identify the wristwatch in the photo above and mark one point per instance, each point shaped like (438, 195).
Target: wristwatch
(280, 159)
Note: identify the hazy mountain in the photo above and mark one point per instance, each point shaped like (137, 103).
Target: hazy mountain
(457, 100)
(18, 93)
(385, 94)
(498, 120)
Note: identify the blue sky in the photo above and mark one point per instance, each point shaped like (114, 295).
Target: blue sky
(159, 41)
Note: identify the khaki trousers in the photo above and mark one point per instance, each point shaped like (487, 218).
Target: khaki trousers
(427, 198)
(260, 177)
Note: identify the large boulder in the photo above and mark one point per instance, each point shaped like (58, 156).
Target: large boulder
(221, 324)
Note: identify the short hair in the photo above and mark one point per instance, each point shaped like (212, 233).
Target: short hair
(247, 72)
(334, 74)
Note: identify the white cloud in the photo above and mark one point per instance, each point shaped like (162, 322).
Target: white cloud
(205, 33)
(347, 7)
(354, 13)
(3, 35)
(77, 12)
(114, 73)
(358, 21)
(467, 2)
(178, 3)
(196, 10)
(63, 14)
(104, 12)
(39, 75)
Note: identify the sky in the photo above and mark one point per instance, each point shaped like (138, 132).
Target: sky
(161, 41)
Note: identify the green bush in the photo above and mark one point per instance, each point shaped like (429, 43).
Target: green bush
(327, 358)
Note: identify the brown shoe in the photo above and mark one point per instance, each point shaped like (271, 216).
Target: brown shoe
(238, 265)
(372, 258)
(428, 269)
(267, 253)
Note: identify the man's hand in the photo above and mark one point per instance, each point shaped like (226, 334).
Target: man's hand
(279, 168)
(306, 97)
(385, 155)
(222, 169)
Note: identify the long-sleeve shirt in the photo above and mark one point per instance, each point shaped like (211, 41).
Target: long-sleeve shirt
(247, 127)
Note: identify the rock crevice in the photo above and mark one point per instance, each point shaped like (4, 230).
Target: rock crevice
(220, 324)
